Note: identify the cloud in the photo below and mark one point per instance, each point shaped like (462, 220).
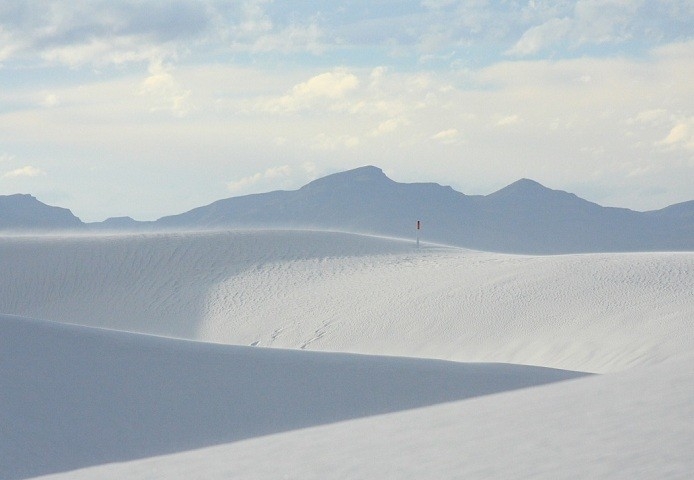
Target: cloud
(679, 128)
(681, 135)
(165, 92)
(652, 116)
(325, 87)
(270, 174)
(291, 39)
(389, 126)
(49, 100)
(27, 171)
(310, 169)
(446, 136)
(597, 22)
(601, 21)
(101, 52)
(542, 36)
(509, 120)
(326, 142)
(9, 44)
(100, 33)
(329, 85)
(254, 20)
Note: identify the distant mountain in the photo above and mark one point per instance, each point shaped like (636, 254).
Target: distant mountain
(362, 200)
(524, 217)
(117, 224)
(25, 213)
(683, 212)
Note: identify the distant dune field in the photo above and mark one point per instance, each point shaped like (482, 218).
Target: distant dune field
(351, 293)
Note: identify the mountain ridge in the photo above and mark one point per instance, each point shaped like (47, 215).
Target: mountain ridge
(22, 212)
(524, 217)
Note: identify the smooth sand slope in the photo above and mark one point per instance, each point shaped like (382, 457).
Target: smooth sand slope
(73, 396)
(628, 425)
(339, 292)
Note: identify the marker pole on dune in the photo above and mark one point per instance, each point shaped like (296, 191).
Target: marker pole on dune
(419, 227)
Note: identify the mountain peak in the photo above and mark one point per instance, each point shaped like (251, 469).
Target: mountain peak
(362, 175)
(18, 197)
(526, 184)
(521, 188)
(24, 212)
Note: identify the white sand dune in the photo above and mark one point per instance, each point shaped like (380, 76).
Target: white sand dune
(149, 283)
(72, 396)
(628, 425)
(350, 293)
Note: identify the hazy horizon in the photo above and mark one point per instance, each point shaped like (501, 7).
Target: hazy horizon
(129, 217)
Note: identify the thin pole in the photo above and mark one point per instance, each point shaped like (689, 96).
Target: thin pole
(419, 227)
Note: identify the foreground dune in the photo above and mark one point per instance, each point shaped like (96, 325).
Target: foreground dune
(75, 396)
(628, 425)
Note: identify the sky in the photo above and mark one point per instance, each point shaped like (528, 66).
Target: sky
(151, 108)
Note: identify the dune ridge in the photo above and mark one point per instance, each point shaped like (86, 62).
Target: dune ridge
(340, 292)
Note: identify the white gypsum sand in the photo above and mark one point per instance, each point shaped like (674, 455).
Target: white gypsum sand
(627, 425)
(340, 292)
(73, 396)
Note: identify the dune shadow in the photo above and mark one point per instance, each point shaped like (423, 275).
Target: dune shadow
(73, 397)
(154, 283)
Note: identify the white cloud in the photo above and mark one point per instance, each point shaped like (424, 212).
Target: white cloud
(243, 183)
(679, 129)
(325, 87)
(589, 22)
(259, 32)
(329, 85)
(542, 36)
(102, 52)
(446, 136)
(376, 75)
(259, 178)
(49, 100)
(327, 142)
(164, 91)
(508, 120)
(389, 126)
(27, 171)
(275, 172)
(680, 135)
(656, 115)
(255, 20)
(293, 38)
(9, 44)
(601, 21)
(310, 168)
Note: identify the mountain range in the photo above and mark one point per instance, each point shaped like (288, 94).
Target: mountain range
(524, 217)
(21, 212)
